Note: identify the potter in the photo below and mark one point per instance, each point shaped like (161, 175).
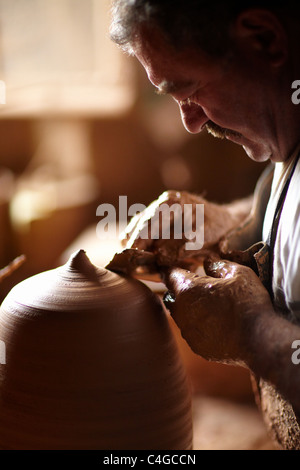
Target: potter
(229, 66)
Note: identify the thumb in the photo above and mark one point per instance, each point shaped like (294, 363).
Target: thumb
(177, 280)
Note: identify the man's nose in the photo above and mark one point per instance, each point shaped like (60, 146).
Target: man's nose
(193, 116)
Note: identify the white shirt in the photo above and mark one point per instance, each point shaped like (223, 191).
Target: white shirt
(286, 267)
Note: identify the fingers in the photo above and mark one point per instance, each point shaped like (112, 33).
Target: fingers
(128, 260)
(130, 228)
(145, 226)
(137, 235)
(178, 280)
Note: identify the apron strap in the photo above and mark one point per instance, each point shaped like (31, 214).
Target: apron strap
(274, 228)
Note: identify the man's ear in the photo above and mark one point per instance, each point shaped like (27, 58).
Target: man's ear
(261, 31)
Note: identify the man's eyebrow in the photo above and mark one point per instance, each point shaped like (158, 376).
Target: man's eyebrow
(166, 88)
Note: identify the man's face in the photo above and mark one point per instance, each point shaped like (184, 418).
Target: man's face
(228, 96)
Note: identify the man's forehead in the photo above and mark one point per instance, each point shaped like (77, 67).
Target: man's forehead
(170, 71)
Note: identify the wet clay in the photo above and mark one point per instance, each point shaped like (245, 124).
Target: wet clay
(91, 363)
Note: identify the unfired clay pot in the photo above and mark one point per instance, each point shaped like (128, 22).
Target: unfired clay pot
(90, 364)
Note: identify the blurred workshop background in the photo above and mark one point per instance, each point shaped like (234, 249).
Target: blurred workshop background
(81, 126)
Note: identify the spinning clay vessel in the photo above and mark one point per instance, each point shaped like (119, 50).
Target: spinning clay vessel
(90, 364)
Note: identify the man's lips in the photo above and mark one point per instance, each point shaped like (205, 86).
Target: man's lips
(235, 137)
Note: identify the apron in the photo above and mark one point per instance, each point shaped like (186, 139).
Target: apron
(281, 419)
(260, 256)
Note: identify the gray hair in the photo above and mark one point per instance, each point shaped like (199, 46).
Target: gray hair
(184, 23)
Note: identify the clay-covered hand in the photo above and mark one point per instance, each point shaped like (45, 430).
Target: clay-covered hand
(216, 313)
(179, 236)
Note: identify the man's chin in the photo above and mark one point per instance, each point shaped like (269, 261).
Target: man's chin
(255, 151)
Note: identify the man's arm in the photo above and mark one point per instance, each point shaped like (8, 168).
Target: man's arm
(274, 339)
(250, 230)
